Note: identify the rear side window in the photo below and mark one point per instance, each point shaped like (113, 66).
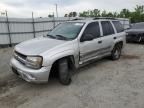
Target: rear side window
(93, 29)
(118, 26)
(107, 28)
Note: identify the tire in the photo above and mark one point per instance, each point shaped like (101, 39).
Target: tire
(64, 72)
(116, 52)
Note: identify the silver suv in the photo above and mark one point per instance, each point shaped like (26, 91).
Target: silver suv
(67, 47)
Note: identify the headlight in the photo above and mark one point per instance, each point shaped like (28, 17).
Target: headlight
(34, 62)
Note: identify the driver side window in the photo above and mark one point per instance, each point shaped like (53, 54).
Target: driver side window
(92, 29)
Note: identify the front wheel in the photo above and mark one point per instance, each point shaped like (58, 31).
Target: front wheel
(64, 72)
(116, 52)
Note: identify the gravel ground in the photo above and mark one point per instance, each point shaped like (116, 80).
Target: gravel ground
(103, 84)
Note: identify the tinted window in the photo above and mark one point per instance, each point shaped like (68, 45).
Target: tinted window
(118, 26)
(107, 28)
(93, 29)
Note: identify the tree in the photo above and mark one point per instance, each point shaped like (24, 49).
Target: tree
(139, 13)
(50, 16)
(84, 14)
(139, 9)
(125, 13)
(110, 14)
(104, 13)
(71, 14)
(115, 14)
(66, 15)
(74, 14)
(96, 13)
(136, 16)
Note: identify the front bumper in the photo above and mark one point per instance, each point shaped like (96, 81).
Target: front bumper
(28, 74)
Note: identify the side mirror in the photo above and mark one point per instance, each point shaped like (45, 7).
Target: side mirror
(86, 37)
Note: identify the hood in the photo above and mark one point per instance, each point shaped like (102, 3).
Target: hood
(38, 45)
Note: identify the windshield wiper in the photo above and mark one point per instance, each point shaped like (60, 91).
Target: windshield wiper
(62, 37)
(51, 36)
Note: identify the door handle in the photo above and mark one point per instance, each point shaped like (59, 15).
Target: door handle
(99, 42)
(115, 38)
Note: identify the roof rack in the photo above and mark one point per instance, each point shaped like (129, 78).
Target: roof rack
(104, 18)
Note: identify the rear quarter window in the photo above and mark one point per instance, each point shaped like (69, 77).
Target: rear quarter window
(118, 26)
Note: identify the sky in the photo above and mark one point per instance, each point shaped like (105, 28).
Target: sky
(42, 8)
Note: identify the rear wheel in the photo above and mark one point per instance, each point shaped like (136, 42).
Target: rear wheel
(116, 52)
(64, 72)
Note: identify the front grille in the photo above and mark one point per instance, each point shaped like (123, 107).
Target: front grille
(20, 57)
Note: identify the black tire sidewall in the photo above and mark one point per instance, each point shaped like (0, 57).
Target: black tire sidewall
(116, 48)
(64, 72)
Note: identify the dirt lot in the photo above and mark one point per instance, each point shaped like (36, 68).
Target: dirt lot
(103, 84)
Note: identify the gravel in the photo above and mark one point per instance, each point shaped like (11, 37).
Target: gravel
(102, 84)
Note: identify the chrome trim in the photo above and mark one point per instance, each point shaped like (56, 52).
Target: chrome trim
(20, 59)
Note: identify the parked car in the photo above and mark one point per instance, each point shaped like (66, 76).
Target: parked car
(136, 33)
(67, 47)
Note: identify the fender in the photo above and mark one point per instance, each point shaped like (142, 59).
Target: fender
(48, 61)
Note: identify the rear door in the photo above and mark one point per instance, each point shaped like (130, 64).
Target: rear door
(90, 49)
(107, 37)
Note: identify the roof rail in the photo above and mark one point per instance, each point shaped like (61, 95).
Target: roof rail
(96, 18)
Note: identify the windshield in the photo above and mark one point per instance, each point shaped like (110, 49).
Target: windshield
(66, 31)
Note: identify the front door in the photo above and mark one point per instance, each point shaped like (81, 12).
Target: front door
(89, 48)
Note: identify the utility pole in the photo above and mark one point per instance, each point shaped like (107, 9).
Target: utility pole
(33, 24)
(56, 10)
(7, 21)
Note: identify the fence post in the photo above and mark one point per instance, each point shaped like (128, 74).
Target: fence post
(9, 34)
(33, 23)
